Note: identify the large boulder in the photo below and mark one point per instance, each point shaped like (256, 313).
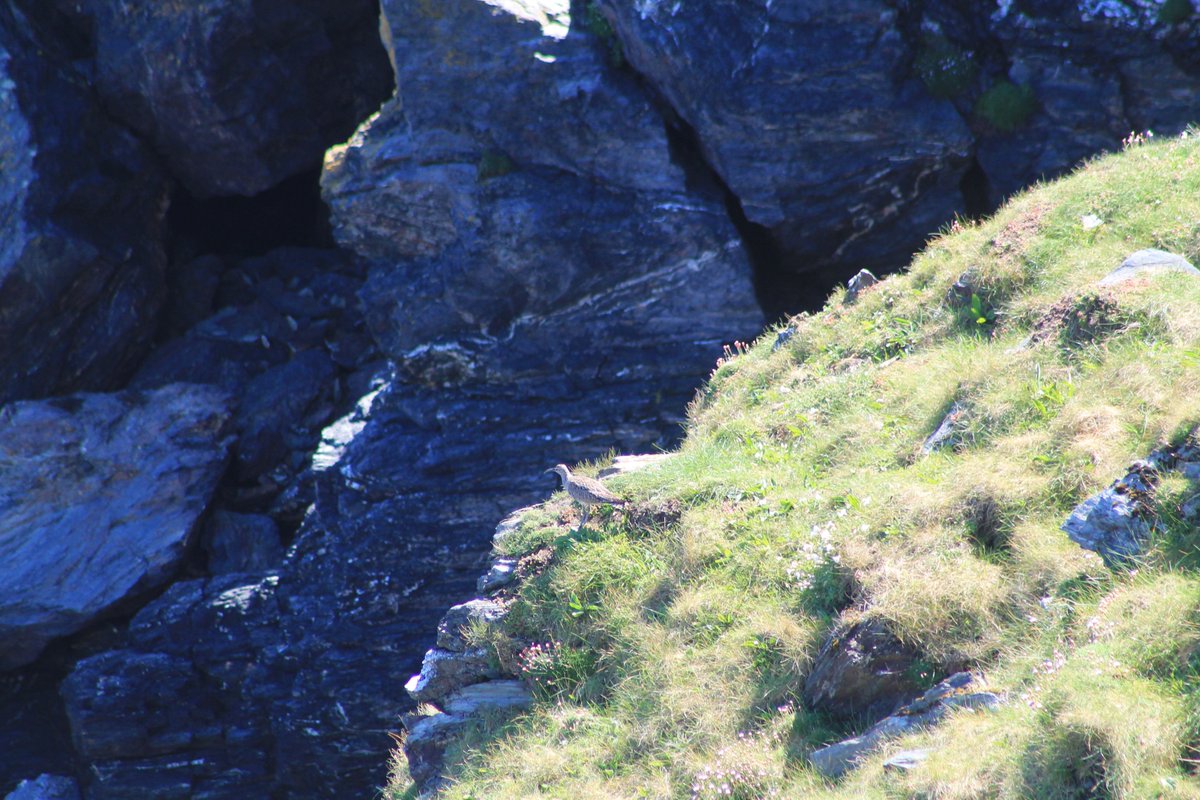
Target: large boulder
(99, 497)
(81, 206)
(238, 94)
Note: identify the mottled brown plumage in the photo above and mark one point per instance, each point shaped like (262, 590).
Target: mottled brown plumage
(587, 492)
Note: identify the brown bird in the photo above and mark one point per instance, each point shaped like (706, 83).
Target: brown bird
(587, 492)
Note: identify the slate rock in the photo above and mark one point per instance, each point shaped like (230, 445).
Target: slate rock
(459, 617)
(481, 698)
(777, 108)
(242, 543)
(81, 208)
(863, 671)
(961, 690)
(908, 760)
(446, 671)
(1116, 522)
(453, 297)
(181, 710)
(1148, 262)
(862, 280)
(945, 434)
(238, 94)
(99, 498)
(46, 787)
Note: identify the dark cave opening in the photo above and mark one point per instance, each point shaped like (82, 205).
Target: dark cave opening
(289, 214)
(976, 191)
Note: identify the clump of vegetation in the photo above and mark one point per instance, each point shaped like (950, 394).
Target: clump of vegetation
(600, 27)
(1172, 12)
(801, 500)
(1006, 106)
(493, 164)
(945, 69)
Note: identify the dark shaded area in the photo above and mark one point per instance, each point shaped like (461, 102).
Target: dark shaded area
(780, 287)
(976, 191)
(288, 214)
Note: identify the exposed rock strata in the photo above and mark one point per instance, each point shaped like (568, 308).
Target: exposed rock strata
(81, 205)
(236, 94)
(99, 498)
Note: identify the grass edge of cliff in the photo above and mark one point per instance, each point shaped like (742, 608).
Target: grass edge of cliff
(673, 649)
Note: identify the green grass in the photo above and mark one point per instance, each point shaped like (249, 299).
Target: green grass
(680, 649)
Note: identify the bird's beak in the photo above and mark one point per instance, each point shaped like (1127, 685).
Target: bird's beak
(549, 470)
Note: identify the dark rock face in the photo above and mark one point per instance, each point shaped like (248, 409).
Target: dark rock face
(238, 94)
(290, 343)
(81, 203)
(178, 712)
(798, 106)
(99, 496)
(864, 671)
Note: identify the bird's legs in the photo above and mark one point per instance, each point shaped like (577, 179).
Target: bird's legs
(584, 519)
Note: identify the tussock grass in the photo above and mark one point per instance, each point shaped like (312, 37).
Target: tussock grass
(807, 500)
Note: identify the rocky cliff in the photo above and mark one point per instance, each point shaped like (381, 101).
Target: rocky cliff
(301, 298)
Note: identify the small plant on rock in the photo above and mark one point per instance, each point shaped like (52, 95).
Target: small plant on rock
(1006, 106)
(945, 69)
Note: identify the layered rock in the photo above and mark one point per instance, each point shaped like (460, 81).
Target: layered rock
(1116, 522)
(799, 106)
(99, 498)
(236, 94)
(961, 690)
(81, 206)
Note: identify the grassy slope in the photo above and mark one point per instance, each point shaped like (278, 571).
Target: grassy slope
(682, 648)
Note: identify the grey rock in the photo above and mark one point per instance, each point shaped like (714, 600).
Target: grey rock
(138, 469)
(477, 611)
(863, 279)
(623, 465)
(862, 670)
(81, 207)
(482, 698)
(1190, 510)
(1116, 522)
(945, 435)
(501, 573)
(238, 94)
(783, 338)
(425, 744)
(428, 736)
(961, 690)
(509, 525)
(908, 760)
(242, 543)
(46, 787)
(1148, 262)
(445, 671)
